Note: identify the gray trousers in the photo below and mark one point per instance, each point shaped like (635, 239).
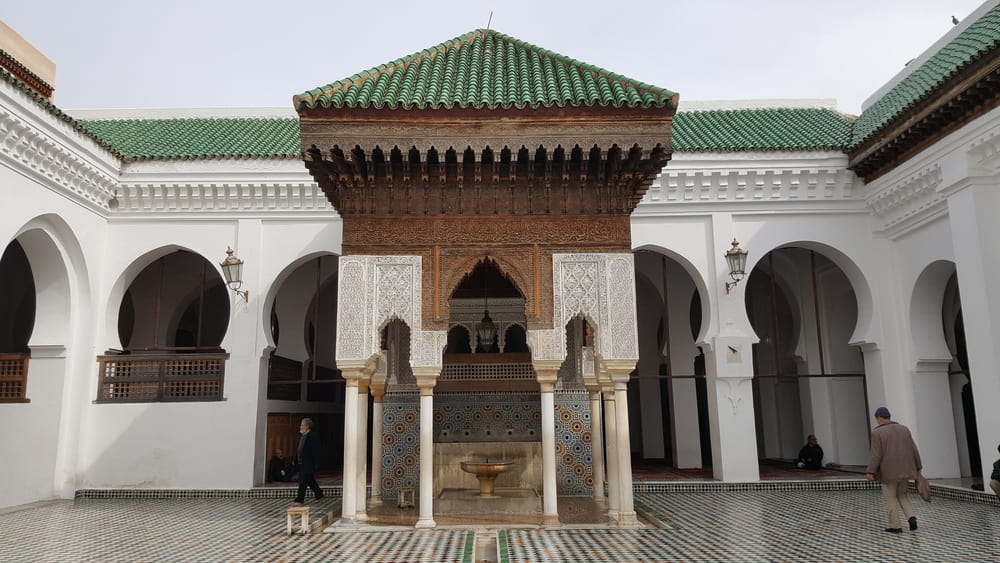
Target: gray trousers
(896, 501)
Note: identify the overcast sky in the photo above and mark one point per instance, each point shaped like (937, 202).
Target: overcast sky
(221, 53)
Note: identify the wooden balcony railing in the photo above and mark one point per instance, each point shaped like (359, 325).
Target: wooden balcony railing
(14, 378)
(145, 378)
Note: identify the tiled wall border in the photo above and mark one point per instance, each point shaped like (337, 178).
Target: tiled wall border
(644, 486)
(262, 492)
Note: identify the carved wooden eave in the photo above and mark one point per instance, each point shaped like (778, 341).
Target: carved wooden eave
(467, 162)
(971, 93)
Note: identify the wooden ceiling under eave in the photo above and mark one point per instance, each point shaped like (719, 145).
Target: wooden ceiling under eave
(969, 94)
(590, 160)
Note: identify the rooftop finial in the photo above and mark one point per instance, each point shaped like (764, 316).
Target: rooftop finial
(489, 21)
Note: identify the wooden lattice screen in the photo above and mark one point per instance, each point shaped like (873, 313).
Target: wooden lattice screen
(167, 377)
(13, 378)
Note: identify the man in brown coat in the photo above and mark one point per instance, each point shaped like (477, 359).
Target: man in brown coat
(894, 461)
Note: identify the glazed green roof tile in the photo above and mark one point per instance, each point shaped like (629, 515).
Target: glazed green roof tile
(761, 130)
(160, 139)
(53, 110)
(715, 130)
(485, 69)
(981, 37)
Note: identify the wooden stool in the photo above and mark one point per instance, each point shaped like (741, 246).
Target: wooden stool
(303, 513)
(407, 498)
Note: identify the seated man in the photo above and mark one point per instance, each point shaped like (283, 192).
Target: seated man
(811, 455)
(276, 470)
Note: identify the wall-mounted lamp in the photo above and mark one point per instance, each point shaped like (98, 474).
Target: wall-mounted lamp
(232, 269)
(736, 257)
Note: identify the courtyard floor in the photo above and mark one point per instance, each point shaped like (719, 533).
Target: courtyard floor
(757, 525)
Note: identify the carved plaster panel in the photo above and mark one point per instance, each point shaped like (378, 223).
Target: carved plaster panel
(428, 347)
(601, 287)
(621, 316)
(354, 326)
(374, 290)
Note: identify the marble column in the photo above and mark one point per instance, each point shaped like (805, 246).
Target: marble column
(611, 433)
(378, 393)
(362, 471)
(349, 496)
(550, 509)
(626, 511)
(425, 382)
(597, 443)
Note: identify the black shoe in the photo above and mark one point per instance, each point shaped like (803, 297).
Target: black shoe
(913, 523)
(894, 530)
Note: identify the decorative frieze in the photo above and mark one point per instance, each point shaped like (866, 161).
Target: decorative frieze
(392, 231)
(908, 197)
(695, 186)
(220, 198)
(984, 154)
(52, 163)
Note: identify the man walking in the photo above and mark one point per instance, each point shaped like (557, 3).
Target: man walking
(894, 461)
(308, 454)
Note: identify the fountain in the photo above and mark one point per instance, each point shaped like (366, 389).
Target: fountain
(486, 472)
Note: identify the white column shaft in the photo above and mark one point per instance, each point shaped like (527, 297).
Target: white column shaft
(549, 503)
(597, 443)
(348, 508)
(624, 452)
(610, 432)
(362, 470)
(377, 414)
(426, 519)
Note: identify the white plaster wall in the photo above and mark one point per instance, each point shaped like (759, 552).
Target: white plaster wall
(68, 231)
(209, 444)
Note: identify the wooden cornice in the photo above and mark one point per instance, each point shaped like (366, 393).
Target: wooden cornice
(522, 181)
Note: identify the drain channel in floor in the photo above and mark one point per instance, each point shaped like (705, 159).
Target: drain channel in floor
(486, 547)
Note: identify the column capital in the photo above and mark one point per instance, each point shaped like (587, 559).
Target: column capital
(620, 370)
(546, 372)
(362, 387)
(426, 377)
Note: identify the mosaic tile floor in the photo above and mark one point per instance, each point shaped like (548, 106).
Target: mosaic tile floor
(715, 526)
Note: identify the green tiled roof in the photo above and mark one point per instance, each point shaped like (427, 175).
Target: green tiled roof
(484, 69)
(761, 130)
(157, 139)
(980, 37)
(52, 109)
(715, 130)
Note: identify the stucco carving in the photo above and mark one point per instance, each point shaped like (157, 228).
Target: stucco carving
(374, 290)
(908, 197)
(220, 198)
(353, 324)
(601, 287)
(752, 185)
(52, 161)
(984, 154)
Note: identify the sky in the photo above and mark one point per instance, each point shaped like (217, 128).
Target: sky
(258, 53)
